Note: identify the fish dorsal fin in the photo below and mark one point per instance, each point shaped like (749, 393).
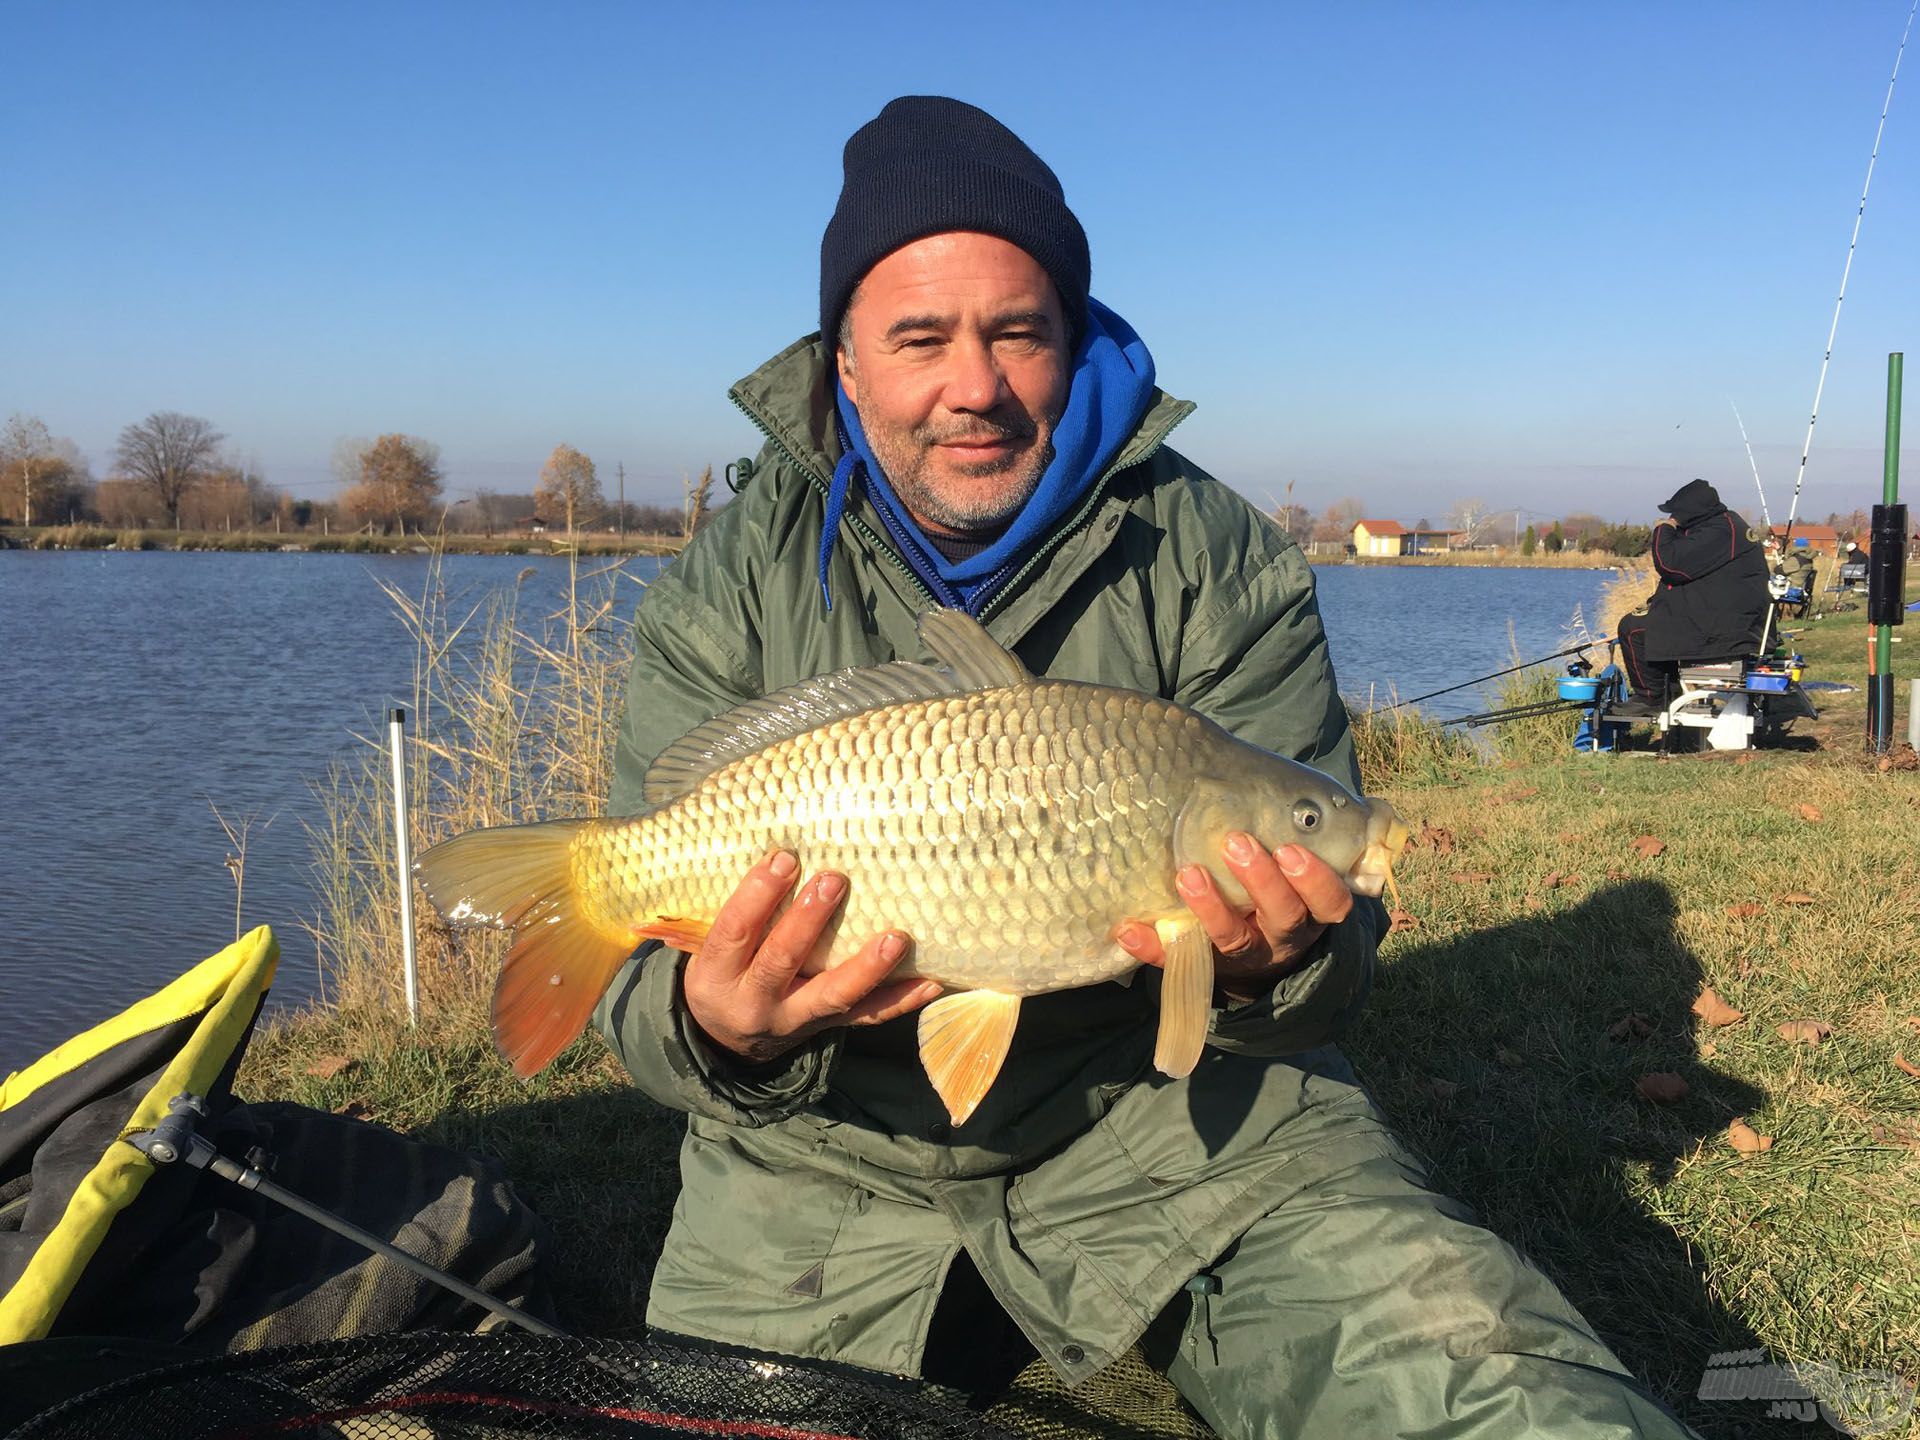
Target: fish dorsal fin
(752, 727)
(963, 645)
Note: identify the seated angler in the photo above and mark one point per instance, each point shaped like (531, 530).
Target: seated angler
(1710, 603)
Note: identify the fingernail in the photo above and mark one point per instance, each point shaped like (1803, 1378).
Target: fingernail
(1293, 860)
(1240, 847)
(782, 865)
(892, 946)
(829, 888)
(1192, 881)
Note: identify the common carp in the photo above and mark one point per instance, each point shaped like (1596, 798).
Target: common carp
(1009, 824)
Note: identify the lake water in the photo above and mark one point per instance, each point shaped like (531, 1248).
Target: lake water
(138, 688)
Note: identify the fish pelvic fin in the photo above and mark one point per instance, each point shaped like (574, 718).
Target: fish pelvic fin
(559, 963)
(964, 1040)
(683, 932)
(1186, 995)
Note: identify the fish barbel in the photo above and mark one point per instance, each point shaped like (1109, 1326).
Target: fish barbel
(1009, 824)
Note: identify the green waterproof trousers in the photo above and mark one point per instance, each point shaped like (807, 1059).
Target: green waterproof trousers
(1368, 1305)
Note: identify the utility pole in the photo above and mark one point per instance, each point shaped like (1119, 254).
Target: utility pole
(1886, 575)
(622, 467)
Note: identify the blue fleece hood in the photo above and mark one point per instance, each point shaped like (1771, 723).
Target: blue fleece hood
(1110, 393)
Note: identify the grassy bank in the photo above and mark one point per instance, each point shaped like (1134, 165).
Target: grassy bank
(102, 537)
(1560, 916)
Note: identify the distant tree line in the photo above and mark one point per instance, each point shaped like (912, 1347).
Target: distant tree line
(172, 470)
(1477, 525)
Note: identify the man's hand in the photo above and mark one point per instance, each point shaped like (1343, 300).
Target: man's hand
(1296, 895)
(744, 988)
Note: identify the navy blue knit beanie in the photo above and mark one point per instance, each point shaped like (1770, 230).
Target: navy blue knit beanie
(927, 164)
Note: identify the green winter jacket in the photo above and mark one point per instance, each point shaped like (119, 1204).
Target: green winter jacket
(823, 1201)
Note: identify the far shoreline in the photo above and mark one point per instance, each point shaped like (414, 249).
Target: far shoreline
(99, 539)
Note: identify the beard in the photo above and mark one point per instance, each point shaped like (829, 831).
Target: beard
(985, 495)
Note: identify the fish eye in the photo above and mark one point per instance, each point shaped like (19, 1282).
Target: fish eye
(1306, 815)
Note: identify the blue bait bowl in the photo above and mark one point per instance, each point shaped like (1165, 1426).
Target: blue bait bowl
(1578, 687)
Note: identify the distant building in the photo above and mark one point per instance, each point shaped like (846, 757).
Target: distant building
(1379, 537)
(1820, 539)
(1428, 542)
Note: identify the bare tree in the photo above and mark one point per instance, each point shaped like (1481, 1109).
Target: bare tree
(568, 486)
(25, 456)
(1470, 518)
(1338, 519)
(169, 452)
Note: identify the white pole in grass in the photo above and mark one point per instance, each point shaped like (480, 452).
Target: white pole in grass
(403, 857)
(1913, 713)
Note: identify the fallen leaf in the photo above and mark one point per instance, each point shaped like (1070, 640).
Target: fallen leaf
(1715, 1011)
(1616, 874)
(1402, 920)
(1534, 902)
(1803, 1032)
(1471, 877)
(1525, 792)
(1745, 757)
(1439, 837)
(1509, 1058)
(1798, 898)
(1811, 813)
(355, 1110)
(1632, 1024)
(1648, 846)
(1748, 1141)
(1442, 1090)
(1906, 1066)
(1893, 1135)
(1661, 1086)
(1745, 910)
(328, 1066)
(1708, 1049)
(1913, 1023)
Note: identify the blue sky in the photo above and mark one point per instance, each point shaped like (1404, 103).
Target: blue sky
(1405, 252)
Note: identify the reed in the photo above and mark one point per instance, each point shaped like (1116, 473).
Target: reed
(512, 719)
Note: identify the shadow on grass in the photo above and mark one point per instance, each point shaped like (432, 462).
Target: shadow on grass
(1545, 1134)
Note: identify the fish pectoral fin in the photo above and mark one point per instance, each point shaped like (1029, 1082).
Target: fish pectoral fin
(964, 1040)
(1186, 995)
(680, 931)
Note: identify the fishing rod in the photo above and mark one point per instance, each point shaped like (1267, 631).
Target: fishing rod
(1518, 712)
(1751, 465)
(1511, 669)
(1846, 271)
(1833, 329)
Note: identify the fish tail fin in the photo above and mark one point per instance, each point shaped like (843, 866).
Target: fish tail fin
(560, 961)
(1186, 996)
(964, 1040)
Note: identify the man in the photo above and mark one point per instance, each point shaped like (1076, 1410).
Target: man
(1710, 603)
(971, 429)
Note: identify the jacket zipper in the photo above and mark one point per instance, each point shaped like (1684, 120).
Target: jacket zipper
(826, 488)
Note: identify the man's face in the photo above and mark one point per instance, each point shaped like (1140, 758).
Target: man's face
(954, 352)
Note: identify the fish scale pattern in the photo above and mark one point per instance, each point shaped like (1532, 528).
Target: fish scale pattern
(1008, 831)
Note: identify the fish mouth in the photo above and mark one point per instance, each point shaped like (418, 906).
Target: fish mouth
(1387, 836)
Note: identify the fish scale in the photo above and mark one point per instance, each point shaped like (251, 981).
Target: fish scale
(1028, 880)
